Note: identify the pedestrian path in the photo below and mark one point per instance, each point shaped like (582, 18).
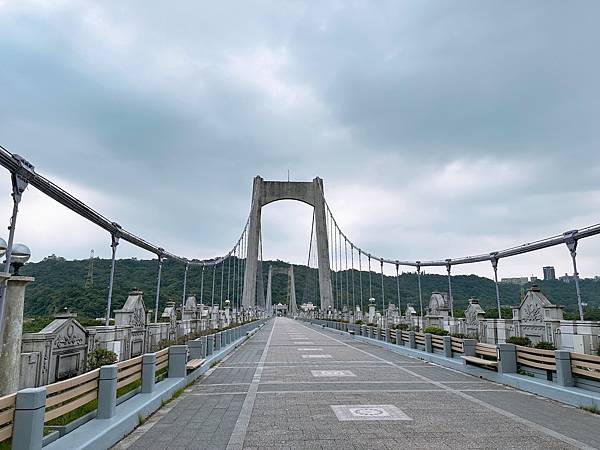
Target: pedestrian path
(296, 386)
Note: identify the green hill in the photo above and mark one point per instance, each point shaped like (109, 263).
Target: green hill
(60, 283)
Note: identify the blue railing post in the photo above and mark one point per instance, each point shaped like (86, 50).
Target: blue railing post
(177, 361)
(507, 358)
(107, 391)
(148, 371)
(28, 421)
(564, 375)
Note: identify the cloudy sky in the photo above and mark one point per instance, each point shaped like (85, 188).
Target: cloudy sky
(441, 129)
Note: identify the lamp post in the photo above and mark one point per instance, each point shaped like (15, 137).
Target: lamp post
(14, 295)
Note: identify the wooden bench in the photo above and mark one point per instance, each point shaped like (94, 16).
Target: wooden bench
(480, 361)
(194, 364)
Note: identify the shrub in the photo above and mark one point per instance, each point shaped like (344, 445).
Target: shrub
(545, 345)
(359, 322)
(402, 326)
(519, 340)
(100, 357)
(459, 335)
(436, 330)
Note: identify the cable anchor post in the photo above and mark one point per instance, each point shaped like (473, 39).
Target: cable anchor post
(571, 242)
(494, 261)
(114, 242)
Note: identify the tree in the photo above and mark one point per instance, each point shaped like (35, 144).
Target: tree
(101, 357)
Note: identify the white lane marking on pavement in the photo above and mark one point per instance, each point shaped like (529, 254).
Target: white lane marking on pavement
(236, 441)
(533, 425)
(342, 391)
(332, 373)
(313, 356)
(309, 349)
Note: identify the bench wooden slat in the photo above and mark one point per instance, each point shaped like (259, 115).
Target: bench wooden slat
(585, 364)
(7, 401)
(62, 410)
(480, 361)
(537, 365)
(194, 363)
(162, 366)
(6, 433)
(129, 362)
(162, 352)
(584, 357)
(65, 396)
(6, 416)
(72, 382)
(129, 371)
(536, 358)
(586, 373)
(129, 380)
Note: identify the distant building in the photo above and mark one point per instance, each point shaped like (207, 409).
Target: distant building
(549, 274)
(516, 280)
(566, 279)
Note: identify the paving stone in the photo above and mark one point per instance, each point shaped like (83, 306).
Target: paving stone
(291, 407)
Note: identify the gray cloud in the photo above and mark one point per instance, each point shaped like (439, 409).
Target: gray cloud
(440, 129)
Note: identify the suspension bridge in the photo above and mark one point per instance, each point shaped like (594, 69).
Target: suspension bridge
(333, 377)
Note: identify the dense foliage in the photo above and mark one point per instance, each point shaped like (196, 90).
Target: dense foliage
(545, 345)
(519, 340)
(100, 357)
(436, 330)
(60, 283)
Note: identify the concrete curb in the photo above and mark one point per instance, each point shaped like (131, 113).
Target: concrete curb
(101, 434)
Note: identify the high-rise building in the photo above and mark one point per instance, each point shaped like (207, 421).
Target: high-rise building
(549, 273)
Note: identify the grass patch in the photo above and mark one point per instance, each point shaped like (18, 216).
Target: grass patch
(524, 372)
(141, 420)
(176, 394)
(6, 445)
(128, 388)
(591, 409)
(75, 414)
(215, 363)
(160, 374)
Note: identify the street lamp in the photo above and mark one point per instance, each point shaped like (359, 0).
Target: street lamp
(20, 255)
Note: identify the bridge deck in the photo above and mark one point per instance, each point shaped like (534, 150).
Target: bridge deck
(296, 386)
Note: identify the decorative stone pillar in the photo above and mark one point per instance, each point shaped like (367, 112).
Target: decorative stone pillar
(10, 353)
(177, 361)
(564, 376)
(428, 343)
(399, 337)
(28, 422)
(107, 391)
(412, 342)
(195, 349)
(447, 346)
(469, 347)
(507, 358)
(210, 343)
(148, 371)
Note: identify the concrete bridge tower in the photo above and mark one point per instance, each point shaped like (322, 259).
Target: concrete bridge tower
(265, 192)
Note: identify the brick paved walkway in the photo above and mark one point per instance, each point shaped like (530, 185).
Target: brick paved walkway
(301, 387)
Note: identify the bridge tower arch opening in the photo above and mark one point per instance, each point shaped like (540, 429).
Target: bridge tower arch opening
(265, 192)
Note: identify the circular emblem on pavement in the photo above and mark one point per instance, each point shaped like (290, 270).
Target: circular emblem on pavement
(368, 412)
